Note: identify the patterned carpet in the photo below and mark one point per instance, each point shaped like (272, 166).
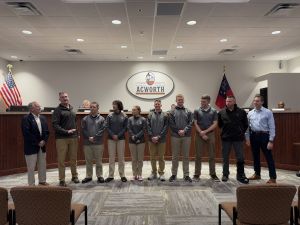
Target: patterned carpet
(154, 202)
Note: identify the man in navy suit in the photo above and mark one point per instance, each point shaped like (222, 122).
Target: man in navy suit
(36, 133)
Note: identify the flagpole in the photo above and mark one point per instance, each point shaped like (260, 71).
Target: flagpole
(9, 66)
(224, 69)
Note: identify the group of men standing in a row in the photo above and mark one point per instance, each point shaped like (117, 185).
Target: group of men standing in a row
(232, 120)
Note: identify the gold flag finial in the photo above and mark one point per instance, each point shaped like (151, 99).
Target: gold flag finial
(224, 68)
(9, 66)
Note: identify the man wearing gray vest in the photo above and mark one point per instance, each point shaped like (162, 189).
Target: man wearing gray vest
(157, 130)
(93, 126)
(181, 122)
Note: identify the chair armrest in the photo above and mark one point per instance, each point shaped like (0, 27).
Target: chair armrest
(296, 214)
(235, 215)
(72, 217)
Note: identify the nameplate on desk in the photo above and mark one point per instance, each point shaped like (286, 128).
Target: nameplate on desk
(278, 110)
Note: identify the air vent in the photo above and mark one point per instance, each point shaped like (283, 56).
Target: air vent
(159, 52)
(228, 51)
(73, 51)
(282, 9)
(24, 8)
(169, 9)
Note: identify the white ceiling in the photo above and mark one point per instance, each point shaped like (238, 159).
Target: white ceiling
(243, 24)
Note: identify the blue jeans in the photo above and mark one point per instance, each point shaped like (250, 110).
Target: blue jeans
(260, 141)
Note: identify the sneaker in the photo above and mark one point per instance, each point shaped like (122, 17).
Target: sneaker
(243, 179)
(162, 178)
(254, 177)
(100, 180)
(215, 178)
(196, 177)
(271, 181)
(187, 179)
(62, 183)
(140, 178)
(75, 180)
(172, 178)
(123, 179)
(224, 178)
(86, 180)
(134, 178)
(152, 176)
(109, 179)
(44, 184)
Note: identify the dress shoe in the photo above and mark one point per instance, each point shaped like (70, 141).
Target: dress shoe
(75, 180)
(224, 178)
(86, 180)
(109, 179)
(243, 179)
(100, 180)
(187, 179)
(123, 179)
(255, 177)
(196, 177)
(62, 183)
(172, 178)
(271, 181)
(298, 174)
(215, 178)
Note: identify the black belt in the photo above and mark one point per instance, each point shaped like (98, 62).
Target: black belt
(259, 132)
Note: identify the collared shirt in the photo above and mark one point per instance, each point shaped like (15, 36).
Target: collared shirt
(38, 122)
(205, 117)
(262, 120)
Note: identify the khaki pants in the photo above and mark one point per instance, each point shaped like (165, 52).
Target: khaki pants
(119, 147)
(177, 144)
(93, 152)
(157, 150)
(200, 145)
(38, 159)
(64, 147)
(137, 156)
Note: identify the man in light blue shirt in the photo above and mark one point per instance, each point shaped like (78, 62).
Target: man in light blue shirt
(262, 134)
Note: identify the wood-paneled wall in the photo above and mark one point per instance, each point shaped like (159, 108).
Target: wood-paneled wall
(286, 146)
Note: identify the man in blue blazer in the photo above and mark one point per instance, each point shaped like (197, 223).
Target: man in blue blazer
(36, 133)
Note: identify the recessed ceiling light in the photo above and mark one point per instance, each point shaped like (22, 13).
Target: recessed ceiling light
(123, 46)
(191, 22)
(223, 40)
(179, 46)
(217, 1)
(276, 32)
(93, 1)
(116, 22)
(14, 57)
(161, 57)
(26, 32)
(140, 57)
(80, 40)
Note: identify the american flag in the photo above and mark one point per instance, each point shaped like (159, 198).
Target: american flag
(10, 92)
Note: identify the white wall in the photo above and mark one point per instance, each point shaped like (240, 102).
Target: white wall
(3, 72)
(106, 81)
(3, 69)
(294, 65)
(284, 87)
